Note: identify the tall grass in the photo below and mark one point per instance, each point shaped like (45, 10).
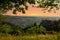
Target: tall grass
(30, 37)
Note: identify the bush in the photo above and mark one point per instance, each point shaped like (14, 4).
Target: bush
(5, 29)
(31, 30)
(41, 30)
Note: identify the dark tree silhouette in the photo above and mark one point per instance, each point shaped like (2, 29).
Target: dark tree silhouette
(6, 5)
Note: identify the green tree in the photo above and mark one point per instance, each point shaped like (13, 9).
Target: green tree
(31, 30)
(2, 19)
(5, 28)
(42, 29)
(36, 30)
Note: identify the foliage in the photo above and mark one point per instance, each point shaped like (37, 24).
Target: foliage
(6, 5)
(36, 29)
(51, 25)
(42, 29)
(14, 5)
(5, 28)
(45, 27)
(49, 4)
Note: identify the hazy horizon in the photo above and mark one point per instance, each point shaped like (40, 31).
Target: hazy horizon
(32, 11)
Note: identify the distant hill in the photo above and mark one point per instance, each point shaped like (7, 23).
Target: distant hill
(24, 21)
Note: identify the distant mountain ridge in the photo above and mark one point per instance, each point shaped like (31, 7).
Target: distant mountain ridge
(24, 21)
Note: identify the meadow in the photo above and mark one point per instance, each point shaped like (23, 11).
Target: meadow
(30, 37)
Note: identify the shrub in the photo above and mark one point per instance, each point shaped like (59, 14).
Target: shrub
(5, 28)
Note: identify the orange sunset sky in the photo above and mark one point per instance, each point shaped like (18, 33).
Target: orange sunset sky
(34, 12)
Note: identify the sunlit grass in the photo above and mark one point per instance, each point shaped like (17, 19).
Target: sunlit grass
(30, 37)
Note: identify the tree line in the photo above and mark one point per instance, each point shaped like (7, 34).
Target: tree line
(45, 27)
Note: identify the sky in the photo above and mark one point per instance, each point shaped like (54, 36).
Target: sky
(33, 11)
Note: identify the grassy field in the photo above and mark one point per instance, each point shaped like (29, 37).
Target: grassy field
(31, 37)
